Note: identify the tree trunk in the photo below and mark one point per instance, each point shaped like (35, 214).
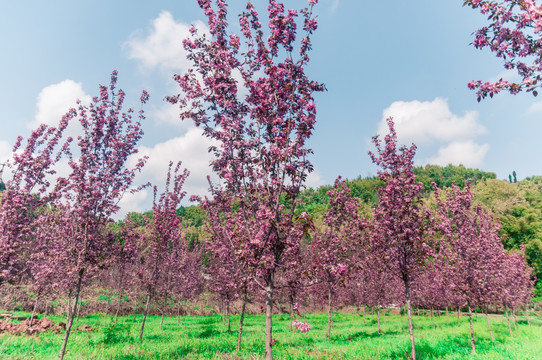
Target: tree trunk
(68, 310)
(46, 309)
(291, 313)
(527, 314)
(363, 315)
(269, 319)
(144, 317)
(134, 307)
(447, 317)
(433, 319)
(179, 315)
(78, 310)
(222, 315)
(33, 312)
(508, 320)
(472, 341)
(162, 322)
(72, 313)
(378, 319)
(489, 327)
(228, 315)
(118, 309)
(410, 326)
(329, 313)
(458, 315)
(241, 320)
(514, 320)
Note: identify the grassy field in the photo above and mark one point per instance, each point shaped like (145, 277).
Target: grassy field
(205, 337)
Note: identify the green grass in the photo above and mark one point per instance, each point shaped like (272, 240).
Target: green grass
(205, 337)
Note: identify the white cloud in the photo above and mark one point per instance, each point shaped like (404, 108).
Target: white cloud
(132, 203)
(429, 121)
(169, 114)
(55, 100)
(5, 151)
(432, 123)
(466, 153)
(535, 108)
(334, 5)
(5, 154)
(191, 149)
(508, 75)
(162, 47)
(314, 180)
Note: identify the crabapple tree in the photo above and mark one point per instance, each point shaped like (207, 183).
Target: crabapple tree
(399, 216)
(255, 101)
(73, 233)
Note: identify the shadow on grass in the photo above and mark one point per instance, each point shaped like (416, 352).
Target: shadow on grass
(116, 334)
(452, 345)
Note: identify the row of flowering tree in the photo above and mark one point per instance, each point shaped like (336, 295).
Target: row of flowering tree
(346, 260)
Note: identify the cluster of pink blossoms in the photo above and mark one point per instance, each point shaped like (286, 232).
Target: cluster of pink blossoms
(514, 36)
(301, 326)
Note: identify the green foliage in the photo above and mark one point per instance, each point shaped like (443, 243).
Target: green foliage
(518, 206)
(104, 298)
(192, 215)
(445, 176)
(533, 253)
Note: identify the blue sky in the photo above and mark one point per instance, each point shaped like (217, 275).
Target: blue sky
(411, 60)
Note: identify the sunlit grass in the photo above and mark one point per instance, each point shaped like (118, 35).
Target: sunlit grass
(206, 337)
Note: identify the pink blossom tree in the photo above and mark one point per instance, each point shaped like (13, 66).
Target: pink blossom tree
(375, 285)
(332, 249)
(399, 216)
(472, 247)
(514, 36)
(121, 269)
(27, 193)
(229, 274)
(74, 229)
(516, 283)
(165, 262)
(260, 152)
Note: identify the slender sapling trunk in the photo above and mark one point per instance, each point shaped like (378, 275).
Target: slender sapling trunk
(457, 315)
(70, 319)
(489, 327)
(228, 315)
(144, 317)
(508, 321)
(410, 326)
(378, 319)
(472, 341)
(269, 319)
(118, 309)
(33, 312)
(241, 320)
(330, 314)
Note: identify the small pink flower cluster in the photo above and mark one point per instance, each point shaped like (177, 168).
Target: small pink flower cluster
(301, 326)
